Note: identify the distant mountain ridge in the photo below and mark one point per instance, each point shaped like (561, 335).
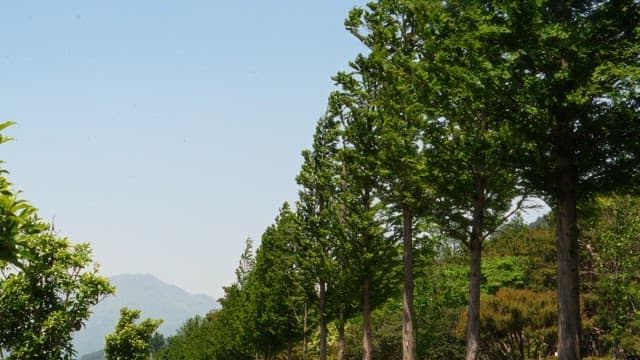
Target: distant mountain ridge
(156, 299)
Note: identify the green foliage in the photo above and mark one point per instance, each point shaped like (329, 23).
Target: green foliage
(612, 246)
(130, 340)
(49, 297)
(441, 294)
(497, 272)
(227, 333)
(518, 324)
(533, 245)
(194, 340)
(577, 74)
(157, 342)
(500, 272)
(276, 295)
(16, 217)
(322, 252)
(370, 254)
(233, 326)
(246, 263)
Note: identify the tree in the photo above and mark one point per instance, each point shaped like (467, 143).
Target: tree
(49, 297)
(317, 211)
(232, 327)
(195, 340)
(576, 74)
(462, 74)
(388, 32)
(245, 266)
(16, 216)
(130, 340)
(441, 79)
(157, 342)
(275, 287)
(372, 256)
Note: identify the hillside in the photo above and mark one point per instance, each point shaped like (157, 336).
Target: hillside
(154, 297)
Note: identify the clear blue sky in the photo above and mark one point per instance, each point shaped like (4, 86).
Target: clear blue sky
(165, 132)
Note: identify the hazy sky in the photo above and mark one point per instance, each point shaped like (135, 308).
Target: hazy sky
(165, 132)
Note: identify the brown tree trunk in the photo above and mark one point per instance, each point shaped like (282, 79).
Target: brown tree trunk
(367, 344)
(568, 262)
(366, 318)
(304, 331)
(473, 316)
(323, 320)
(475, 273)
(408, 336)
(289, 351)
(341, 339)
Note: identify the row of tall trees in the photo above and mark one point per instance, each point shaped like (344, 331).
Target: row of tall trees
(518, 317)
(456, 109)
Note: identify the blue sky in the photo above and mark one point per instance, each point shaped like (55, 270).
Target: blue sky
(162, 132)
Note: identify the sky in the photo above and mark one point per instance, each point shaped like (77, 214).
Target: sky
(165, 133)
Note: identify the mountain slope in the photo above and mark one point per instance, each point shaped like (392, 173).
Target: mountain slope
(156, 299)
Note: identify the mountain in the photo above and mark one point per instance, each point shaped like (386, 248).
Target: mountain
(156, 299)
(98, 355)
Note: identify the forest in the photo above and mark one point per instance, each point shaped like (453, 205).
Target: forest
(407, 240)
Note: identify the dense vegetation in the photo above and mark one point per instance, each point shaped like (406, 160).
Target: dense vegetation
(405, 242)
(518, 300)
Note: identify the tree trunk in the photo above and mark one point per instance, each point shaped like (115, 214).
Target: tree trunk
(304, 331)
(475, 273)
(408, 336)
(289, 350)
(568, 262)
(366, 318)
(341, 339)
(323, 320)
(367, 344)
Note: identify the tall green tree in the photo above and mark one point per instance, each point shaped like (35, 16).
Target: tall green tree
(130, 340)
(157, 342)
(233, 326)
(195, 339)
(373, 256)
(276, 291)
(577, 75)
(462, 76)
(316, 210)
(388, 32)
(49, 297)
